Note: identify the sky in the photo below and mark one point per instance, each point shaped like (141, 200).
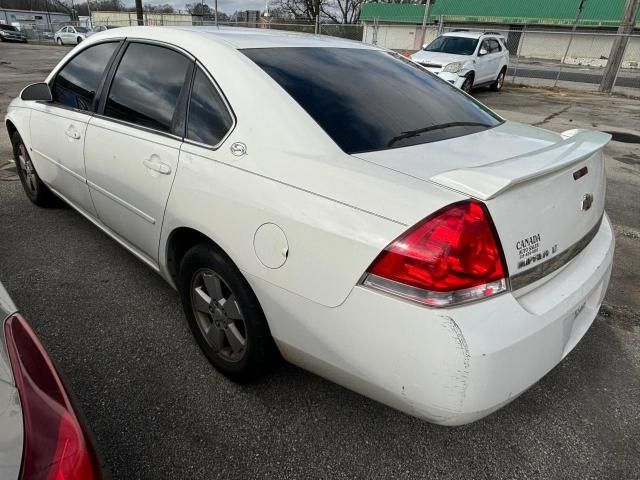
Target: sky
(226, 6)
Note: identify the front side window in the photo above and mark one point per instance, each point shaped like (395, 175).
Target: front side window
(76, 84)
(208, 120)
(146, 86)
(453, 45)
(369, 99)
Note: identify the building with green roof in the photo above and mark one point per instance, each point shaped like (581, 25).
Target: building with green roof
(597, 13)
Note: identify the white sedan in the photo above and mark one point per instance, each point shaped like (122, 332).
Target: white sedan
(331, 201)
(71, 35)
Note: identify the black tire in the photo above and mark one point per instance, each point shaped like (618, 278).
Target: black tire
(497, 85)
(259, 350)
(35, 189)
(467, 85)
(59, 41)
(79, 39)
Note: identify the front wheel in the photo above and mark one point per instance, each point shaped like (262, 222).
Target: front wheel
(59, 41)
(467, 86)
(35, 189)
(497, 85)
(78, 40)
(224, 314)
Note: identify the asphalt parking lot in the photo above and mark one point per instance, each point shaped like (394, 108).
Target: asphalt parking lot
(159, 410)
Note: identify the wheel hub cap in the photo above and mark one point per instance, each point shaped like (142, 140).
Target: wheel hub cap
(218, 315)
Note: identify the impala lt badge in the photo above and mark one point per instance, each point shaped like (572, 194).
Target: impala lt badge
(587, 201)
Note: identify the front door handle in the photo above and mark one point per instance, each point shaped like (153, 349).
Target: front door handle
(153, 164)
(71, 132)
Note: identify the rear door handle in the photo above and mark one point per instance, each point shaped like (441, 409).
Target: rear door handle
(71, 132)
(156, 165)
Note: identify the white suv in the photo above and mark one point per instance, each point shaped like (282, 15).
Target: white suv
(467, 59)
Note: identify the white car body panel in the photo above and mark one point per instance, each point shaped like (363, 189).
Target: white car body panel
(11, 422)
(135, 214)
(58, 149)
(336, 212)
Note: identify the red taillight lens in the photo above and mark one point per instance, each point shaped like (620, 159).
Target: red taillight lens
(451, 257)
(56, 447)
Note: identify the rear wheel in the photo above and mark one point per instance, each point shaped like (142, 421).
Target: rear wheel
(35, 189)
(497, 85)
(224, 314)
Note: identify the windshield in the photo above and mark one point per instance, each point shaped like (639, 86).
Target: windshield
(81, 29)
(369, 100)
(454, 45)
(8, 27)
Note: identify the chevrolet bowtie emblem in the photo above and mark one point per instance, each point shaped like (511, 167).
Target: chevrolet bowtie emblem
(587, 201)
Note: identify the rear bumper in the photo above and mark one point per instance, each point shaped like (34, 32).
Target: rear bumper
(448, 366)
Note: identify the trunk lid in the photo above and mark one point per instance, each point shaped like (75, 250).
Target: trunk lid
(545, 191)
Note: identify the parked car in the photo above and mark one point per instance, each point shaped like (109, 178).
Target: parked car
(41, 434)
(467, 59)
(334, 200)
(102, 28)
(9, 33)
(71, 35)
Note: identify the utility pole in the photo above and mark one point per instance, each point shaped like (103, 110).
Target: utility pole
(424, 21)
(619, 45)
(317, 13)
(139, 12)
(573, 31)
(215, 13)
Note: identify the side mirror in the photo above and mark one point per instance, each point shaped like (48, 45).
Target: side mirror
(37, 92)
(483, 51)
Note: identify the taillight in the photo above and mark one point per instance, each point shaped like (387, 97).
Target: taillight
(55, 446)
(451, 257)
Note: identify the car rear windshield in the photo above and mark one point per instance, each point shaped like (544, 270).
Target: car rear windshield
(453, 45)
(368, 100)
(81, 29)
(8, 27)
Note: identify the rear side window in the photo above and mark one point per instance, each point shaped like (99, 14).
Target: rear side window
(208, 119)
(368, 99)
(76, 84)
(494, 46)
(146, 86)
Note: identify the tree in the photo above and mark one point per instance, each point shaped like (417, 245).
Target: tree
(342, 11)
(338, 11)
(199, 9)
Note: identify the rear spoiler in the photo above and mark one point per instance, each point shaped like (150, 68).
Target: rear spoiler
(488, 181)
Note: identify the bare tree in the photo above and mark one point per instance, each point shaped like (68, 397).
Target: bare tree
(342, 11)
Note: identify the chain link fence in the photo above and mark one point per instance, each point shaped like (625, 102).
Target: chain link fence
(539, 56)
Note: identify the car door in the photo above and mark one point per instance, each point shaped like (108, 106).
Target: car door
(67, 35)
(495, 56)
(132, 146)
(483, 68)
(58, 128)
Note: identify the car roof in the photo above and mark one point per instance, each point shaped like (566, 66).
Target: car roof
(240, 37)
(471, 34)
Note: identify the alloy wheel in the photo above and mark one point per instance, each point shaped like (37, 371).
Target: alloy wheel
(218, 315)
(30, 176)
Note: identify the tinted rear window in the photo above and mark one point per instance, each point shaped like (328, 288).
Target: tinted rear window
(370, 100)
